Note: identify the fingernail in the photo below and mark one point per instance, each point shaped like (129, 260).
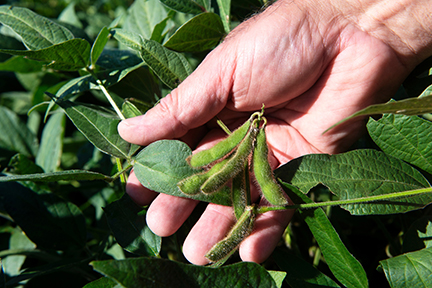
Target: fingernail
(130, 122)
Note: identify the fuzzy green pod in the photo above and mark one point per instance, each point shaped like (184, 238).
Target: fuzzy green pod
(192, 184)
(221, 251)
(234, 165)
(240, 193)
(221, 149)
(271, 190)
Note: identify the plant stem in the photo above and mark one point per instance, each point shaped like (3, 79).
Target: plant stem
(121, 171)
(360, 200)
(107, 95)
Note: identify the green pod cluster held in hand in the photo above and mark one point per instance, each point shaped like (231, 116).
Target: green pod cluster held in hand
(192, 184)
(264, 177)
(222, 148)
(234, 165)
(222, 250)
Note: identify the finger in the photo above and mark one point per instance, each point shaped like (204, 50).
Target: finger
(213, 225)
(167, 213)
(139, 194)
(267, 232)
(192, 104)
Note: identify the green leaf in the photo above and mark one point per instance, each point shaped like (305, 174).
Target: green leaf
(299, 272)
(143, 16)
(99, 45)
(357, 174)
(69, 16)
(17, 241)
(404, 137)
(37, 32)
(127, 222)
(46, 219)
(99, 126)
(409, 107)
(159, 31)
(68, 175)
(71, 55)
(15, 135)
(103, 282)
(418, 235)
(340, 261)
(225, 13)
(147, 272)
(278, 277)
(20, 164)
(87, 82)
(138, 84)
(203, 32)
(51, 145)
(185, 6)
(162, 164)
(21, 64)
(129, 110)
(414, 268)
(171, 67)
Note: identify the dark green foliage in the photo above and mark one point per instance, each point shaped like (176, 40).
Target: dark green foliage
(75, 70)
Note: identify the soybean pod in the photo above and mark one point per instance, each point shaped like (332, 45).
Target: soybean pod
(234, 165)
(264, 177)
(192, 184)
(221, 251)
(222, 148)
(240, 192)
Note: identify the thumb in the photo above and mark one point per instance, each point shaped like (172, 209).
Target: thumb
(193, 103)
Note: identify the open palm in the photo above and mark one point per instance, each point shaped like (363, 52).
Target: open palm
(309, 74)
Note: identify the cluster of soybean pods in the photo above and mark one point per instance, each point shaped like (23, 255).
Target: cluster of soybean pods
(244, 150)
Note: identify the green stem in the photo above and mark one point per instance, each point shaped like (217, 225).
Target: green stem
(121, 171)
(107, 95)
(382, 197)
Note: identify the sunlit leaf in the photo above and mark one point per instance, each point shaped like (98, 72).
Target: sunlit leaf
(68, 175)
(37, 32)
(99, 126)
(50, 150)
(20, 164)
(143, 16)
(147, 272)
(99, 45)
(200, 33)
(162, 164)
(341, 262)
(357, 174)
(68, 56)
(414, 268)
(69, 16)
(21, 64)
(225, 13)
(418, 235)
(409, 107)
(404, 137)
(185, 6)
(15, 136)
(171, 67)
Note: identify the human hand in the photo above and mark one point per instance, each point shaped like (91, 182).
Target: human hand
(311, 67)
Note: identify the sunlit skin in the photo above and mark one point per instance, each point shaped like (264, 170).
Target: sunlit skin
(311, 65)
